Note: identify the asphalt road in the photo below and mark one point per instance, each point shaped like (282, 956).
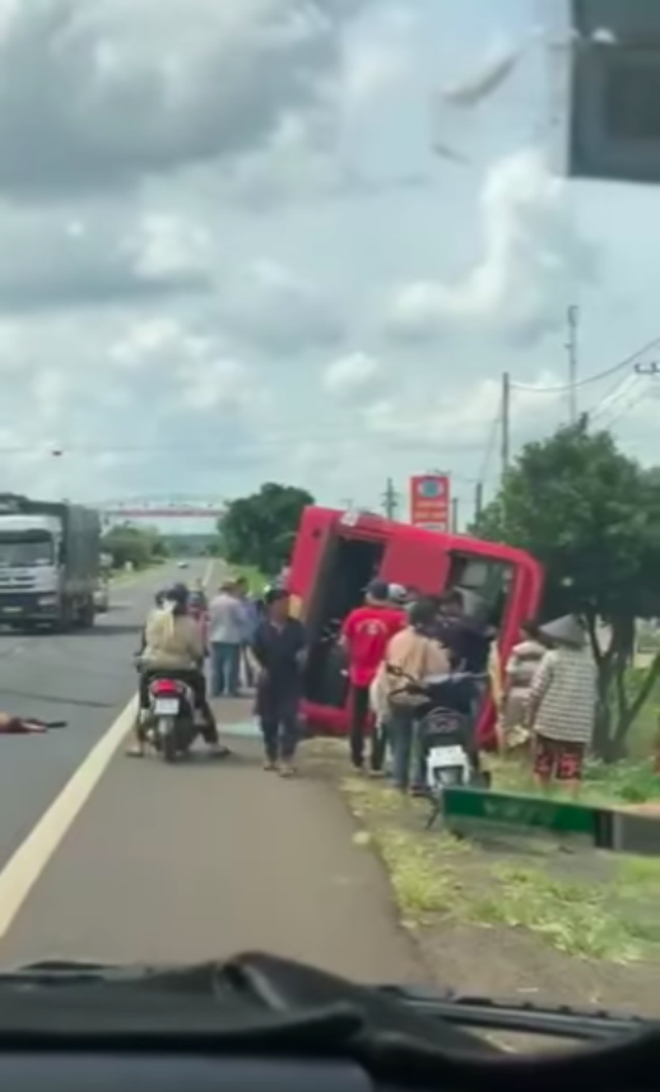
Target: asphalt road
(85, 679)
(172, 864)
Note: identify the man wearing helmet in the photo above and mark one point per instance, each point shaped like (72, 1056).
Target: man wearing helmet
(173, 641)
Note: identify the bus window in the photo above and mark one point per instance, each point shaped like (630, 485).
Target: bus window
(488, 579)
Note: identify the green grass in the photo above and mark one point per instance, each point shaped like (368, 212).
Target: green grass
(585, 904)
(255, 578)
(631, 781)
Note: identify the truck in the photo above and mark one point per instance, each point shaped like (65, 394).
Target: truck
(49, 563)
(337, 554)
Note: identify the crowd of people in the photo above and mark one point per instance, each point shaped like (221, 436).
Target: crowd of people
(544, 694)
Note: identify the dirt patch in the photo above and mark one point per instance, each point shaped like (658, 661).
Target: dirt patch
(530, 920)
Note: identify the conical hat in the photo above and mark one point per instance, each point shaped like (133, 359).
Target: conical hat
(565, 631)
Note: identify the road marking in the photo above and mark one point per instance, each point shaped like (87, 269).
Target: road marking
(208, 573)
(23, 870)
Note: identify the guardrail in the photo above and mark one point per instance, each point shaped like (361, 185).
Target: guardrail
(470, 811)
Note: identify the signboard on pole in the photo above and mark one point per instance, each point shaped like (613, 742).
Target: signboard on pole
(430, 501)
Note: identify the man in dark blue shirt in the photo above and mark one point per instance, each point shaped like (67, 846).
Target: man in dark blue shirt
(279, 649)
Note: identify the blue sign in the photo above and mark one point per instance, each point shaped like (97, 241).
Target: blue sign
(431, 488)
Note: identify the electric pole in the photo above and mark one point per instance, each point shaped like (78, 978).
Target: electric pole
(390, 500)
(478, 499)
(573, 314)
(506, 423)
(454, 515)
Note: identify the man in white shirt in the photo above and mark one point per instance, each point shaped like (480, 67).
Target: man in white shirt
(226, 635)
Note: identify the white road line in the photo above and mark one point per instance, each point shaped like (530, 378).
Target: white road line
(30, 859)
(22, 871)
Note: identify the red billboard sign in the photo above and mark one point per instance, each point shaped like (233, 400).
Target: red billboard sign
(430, 501)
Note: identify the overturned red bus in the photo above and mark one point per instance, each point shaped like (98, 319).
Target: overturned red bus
(337, 553)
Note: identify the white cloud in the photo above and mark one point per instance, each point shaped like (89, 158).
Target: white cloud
(268, 305)
(352, 375)
(112, 254)
(169, 246)
(373, 68)
(532, 259)
(130, 87)
(192, 278)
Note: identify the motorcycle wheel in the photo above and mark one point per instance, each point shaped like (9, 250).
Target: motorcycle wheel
(168, 742)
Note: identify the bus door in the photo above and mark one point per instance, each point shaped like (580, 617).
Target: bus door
(415, 559)
(312, 563)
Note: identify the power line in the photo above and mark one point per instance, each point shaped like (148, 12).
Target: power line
(591, 378)
(628, 406)
(490, 446)
(613, 395)
(572, 348)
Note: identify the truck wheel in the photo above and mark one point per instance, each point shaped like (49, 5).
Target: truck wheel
(65, 622)
(87, 615)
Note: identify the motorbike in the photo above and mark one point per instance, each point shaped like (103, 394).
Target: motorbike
(168, 723)
(446, 729)
(171, 724)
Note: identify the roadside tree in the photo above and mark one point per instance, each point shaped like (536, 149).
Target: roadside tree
(592, 518)
(260, 529)
(139, 546)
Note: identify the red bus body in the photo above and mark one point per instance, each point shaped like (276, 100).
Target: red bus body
(337, 553)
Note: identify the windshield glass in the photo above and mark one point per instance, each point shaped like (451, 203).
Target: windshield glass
(342, 316)
(16, 552)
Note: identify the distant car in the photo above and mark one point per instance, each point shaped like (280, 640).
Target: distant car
(102, 597)
(182, 565)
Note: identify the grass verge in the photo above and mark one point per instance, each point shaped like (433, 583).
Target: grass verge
(584, 903)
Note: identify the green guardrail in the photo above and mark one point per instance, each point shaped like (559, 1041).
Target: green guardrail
(470, 811)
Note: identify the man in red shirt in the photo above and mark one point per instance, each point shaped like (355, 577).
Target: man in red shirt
(365, 636)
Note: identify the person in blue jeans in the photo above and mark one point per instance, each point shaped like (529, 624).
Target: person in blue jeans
(226, 635)
(251, 619)
(414, 655)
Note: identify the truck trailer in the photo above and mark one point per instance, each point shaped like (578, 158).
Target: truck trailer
(49, 563)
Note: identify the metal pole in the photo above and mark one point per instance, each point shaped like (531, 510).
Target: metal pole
(478, 499)
(390, 500)
(454, 515)
(571, 346)
(506, 422)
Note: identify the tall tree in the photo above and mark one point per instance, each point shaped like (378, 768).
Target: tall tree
(139, 546)
(260, 529)
(592, 517)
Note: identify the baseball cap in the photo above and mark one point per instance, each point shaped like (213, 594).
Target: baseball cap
(378, 589)
(397, 593)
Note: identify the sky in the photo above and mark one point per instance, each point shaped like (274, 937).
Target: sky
(287, 240)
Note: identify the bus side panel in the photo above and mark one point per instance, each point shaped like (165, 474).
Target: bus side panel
(416, 559)
(315, 529)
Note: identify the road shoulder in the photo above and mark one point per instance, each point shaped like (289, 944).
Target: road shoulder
(207, 859)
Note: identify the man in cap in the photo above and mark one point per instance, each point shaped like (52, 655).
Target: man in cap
(225, 634)
(365, 635)
(562, 703)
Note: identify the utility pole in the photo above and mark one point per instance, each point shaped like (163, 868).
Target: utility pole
(454, 515)
(572, 315)
(390, 500)
(506, 422)
(478, 499)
